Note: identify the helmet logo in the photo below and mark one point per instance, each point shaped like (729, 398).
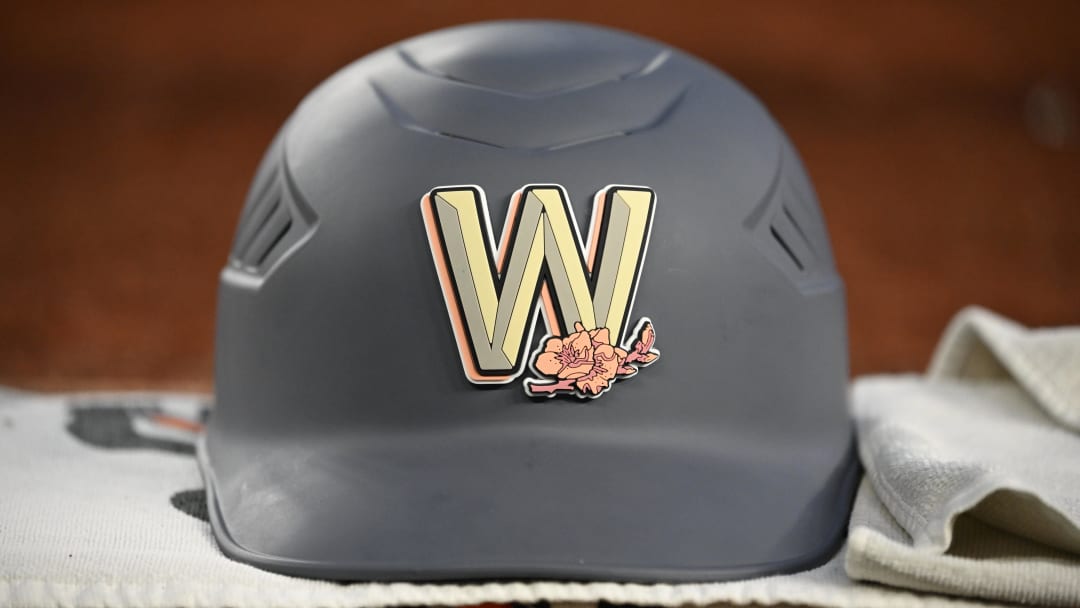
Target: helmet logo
(586, 290)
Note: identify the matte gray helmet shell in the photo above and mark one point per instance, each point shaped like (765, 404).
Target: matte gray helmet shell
(381, 417)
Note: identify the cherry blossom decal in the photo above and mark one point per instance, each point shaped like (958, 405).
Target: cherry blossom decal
(586, 364)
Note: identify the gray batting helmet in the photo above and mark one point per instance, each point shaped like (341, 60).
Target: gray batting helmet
(530, 300)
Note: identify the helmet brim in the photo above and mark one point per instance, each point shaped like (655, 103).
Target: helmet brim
(497, 504)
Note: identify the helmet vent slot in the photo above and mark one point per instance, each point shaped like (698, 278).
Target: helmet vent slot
(274, 220)
(261, 216)
(268, 223)
(275, 229)
(789, 230)
(787, 248)
(798, 228)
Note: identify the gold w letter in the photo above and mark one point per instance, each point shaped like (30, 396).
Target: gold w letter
(491, 294)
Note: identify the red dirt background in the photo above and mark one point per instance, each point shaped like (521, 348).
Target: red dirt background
(943, 139)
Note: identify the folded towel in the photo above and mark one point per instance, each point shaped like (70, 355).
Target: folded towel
(973, 472)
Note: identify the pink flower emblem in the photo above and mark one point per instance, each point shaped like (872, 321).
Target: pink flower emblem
(586, 363)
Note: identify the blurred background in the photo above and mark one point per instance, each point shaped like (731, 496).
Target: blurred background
(943, 139)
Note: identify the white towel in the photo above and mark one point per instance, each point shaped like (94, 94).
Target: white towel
(973, 472)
